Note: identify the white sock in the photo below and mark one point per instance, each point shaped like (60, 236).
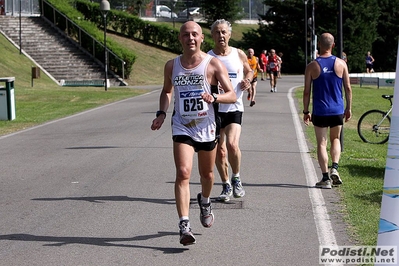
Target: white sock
(184, 218)
(205, 200)
(227, 182)
(236, 175)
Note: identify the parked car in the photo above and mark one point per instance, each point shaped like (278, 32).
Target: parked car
(164, 12)
(193, 12)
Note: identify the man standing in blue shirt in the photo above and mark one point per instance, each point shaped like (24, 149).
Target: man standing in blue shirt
(327, 73)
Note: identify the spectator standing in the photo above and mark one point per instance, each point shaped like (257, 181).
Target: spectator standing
(344, 57)
(328, 74)
(369, 63)
(228, 150)
(280, 54)
(194, 76)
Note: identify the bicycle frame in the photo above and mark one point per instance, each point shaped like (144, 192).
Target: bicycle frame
(385, 116)
(374, 125)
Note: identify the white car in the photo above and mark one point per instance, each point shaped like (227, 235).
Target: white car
(164, 12)
(193, 12)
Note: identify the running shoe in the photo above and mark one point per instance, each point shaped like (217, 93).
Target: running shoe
(324, 184)
(186, 236)
(271, 90)
(227, 192)
(238, 190)
(334, 175)
(275, 89)
(252, 103)
(206, 215)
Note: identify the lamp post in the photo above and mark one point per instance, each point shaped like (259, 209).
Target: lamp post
(20, 27)
(310, 24)
(339, 29)
(306, 33)
(104, 8)
(173, 10)
(313, 33)
(249, 9)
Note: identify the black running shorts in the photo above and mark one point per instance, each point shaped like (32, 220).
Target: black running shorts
(328, 121)
(198, 146)
(231, 118)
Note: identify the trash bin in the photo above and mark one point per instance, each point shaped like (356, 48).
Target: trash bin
(7, 99)
(35, 72)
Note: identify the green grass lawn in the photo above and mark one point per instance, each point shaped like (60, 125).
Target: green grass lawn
(45, 100)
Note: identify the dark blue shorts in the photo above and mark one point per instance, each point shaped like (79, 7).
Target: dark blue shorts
(275, 73)
(328, 121)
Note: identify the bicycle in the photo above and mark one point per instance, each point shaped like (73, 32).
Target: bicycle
(374, 125)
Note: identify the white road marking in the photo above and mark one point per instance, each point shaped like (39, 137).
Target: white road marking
(324, 228)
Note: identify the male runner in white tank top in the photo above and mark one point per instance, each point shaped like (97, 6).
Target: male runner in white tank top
(193, 77)
(240, 74)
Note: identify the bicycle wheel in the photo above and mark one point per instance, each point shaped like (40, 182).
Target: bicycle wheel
(373, 128)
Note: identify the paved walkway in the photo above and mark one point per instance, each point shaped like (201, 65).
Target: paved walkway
(97, 189)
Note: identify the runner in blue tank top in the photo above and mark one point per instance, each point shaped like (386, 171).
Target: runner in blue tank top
(327, 73)
(327, 89)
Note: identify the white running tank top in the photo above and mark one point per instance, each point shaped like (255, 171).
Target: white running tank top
(192, 116)
(235, 68)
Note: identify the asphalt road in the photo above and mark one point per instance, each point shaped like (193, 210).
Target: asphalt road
(96, 188)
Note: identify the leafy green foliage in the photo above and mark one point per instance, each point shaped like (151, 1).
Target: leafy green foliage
(45, 100)
(229, 10)
(385, 47)
(90, 30)
(363, 25)
(360, 31)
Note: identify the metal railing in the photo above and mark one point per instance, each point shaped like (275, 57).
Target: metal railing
(82, 38)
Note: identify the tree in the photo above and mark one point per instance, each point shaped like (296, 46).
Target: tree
(385, 48)
(285, 29)
(360, 31)
(227, 9)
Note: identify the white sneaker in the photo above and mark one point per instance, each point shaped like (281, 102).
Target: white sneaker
(227, 192)
(324, 184)
(186, 235)
(334, 175)
(206, 214)
(238, 190)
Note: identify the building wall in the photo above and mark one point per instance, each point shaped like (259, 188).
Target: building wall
(27, 7)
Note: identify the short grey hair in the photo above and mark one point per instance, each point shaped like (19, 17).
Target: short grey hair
(221, 21)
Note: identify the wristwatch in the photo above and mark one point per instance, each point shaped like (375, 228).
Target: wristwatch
(160, 112)
(305, 112)
(215, 96)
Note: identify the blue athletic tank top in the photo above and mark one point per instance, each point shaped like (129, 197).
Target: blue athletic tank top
(327, 89)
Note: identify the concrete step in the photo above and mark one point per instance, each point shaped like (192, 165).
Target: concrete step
(57, 54)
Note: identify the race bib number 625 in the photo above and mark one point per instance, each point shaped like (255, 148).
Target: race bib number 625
(192, 105)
